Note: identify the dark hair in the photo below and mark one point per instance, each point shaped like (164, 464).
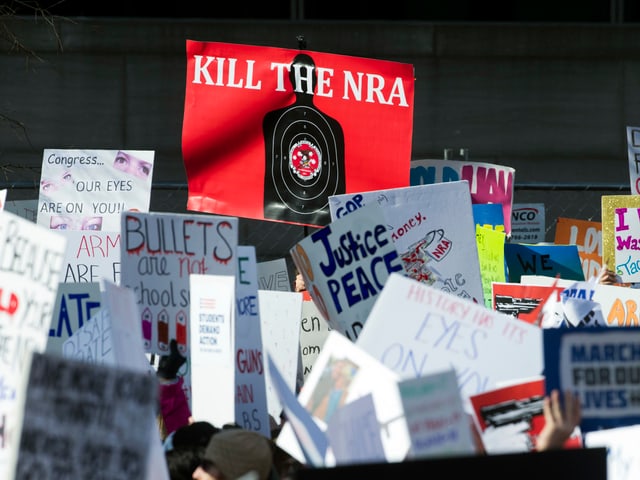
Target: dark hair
(188, 444)
(182, 462)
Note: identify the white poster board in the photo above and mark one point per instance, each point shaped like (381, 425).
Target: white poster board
(30, 270)
(345, 371)
(436, 420)
(92, 420)
(345, 266)
(280, 325)
(76, 304)
(92, 343)
(314, 330)
(250, 359)
(158, 253)
(92, 256)
(212, 347)
(88, 189)
(439, 331)
(274, 275)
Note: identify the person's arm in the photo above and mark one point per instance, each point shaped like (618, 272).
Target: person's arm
(560, 420)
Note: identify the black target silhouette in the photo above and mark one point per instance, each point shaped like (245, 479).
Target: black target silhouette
(304, 155)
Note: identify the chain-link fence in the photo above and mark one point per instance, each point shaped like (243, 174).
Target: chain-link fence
(579, 201)
(273, 240)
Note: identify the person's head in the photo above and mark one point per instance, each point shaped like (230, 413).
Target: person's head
(299, 285)
(185, 447)
(234, 452)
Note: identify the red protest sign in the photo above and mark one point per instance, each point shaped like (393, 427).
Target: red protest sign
(271, 133)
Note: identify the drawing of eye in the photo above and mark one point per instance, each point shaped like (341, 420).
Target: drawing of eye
(47, 186)
(93, 223)
(60, 222)
(144, 168)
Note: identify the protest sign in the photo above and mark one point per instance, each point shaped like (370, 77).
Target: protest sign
(623, 458)
(488, 183)
(311, 438)
(432, 228)
(76, 303)
(587, 235)
(280, 314)
(92, 343)
(30, 271)
(633, 156)
(354, 434)
(491, 259)
(528, 223)
(620, 306)
(488, 215)
(92, 256)
(345, 265)
(308, 123)
(620, 234)
(314, 330)
(126, 335)
(436, 241)
(158, 253)
(212, 348)
(537, 259)
(83, 420)
(438, 425)
(250, 375)
(342, 374)
(88, 189)
(274, 275)
(511, 417)
(600, 365)
(439, 331)
(521, 300)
